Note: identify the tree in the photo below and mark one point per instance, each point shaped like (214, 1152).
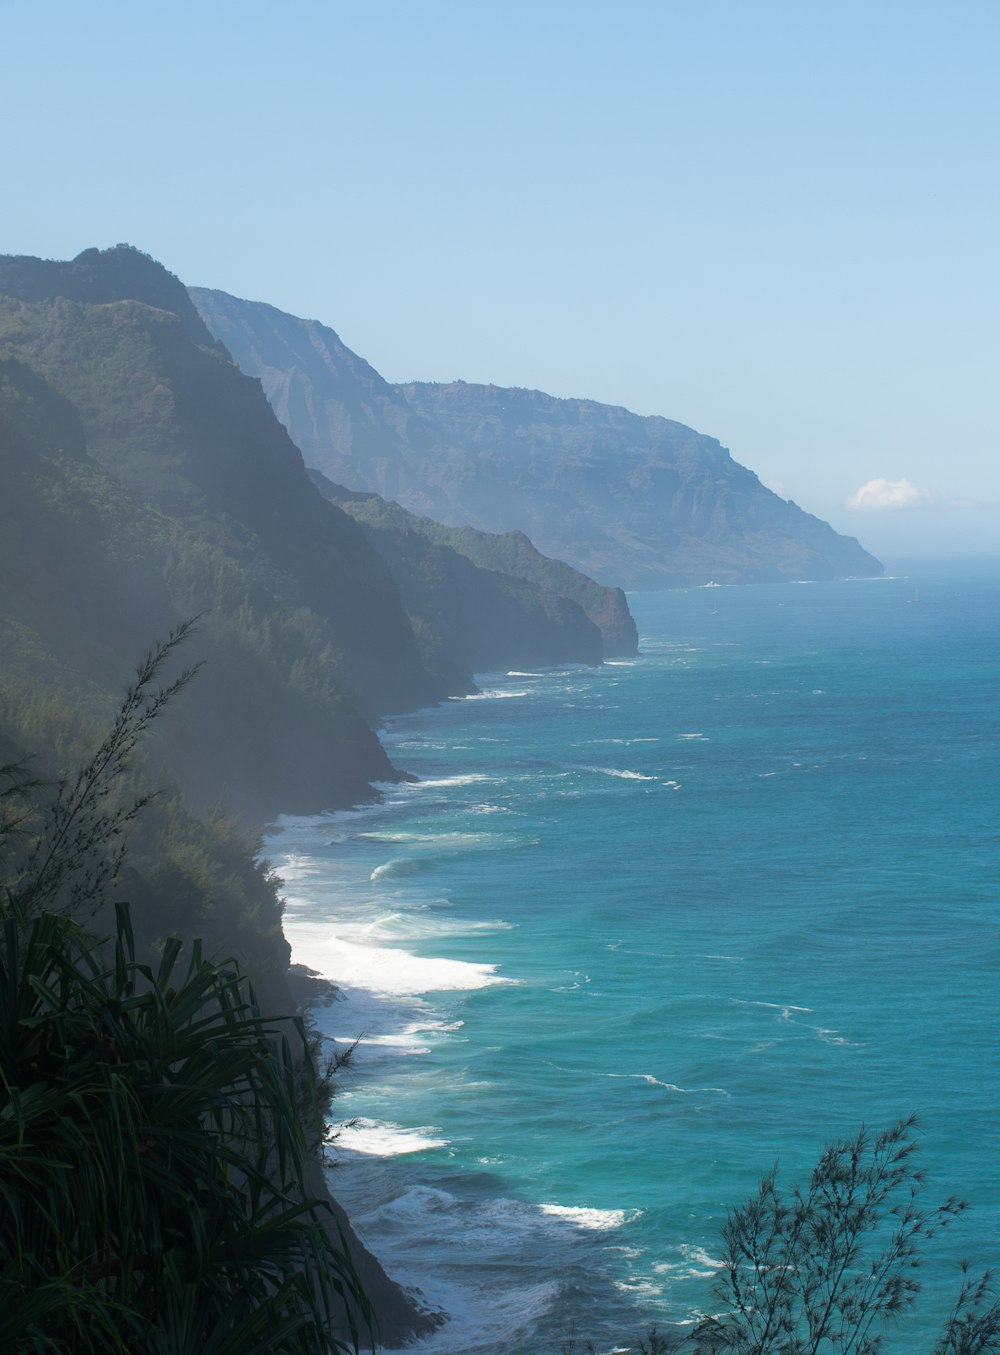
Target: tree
(78, 845)
(824, 1270)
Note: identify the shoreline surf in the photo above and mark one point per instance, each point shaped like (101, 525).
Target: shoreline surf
(662, 967)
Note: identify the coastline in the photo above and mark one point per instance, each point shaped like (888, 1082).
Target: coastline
(463, 1245)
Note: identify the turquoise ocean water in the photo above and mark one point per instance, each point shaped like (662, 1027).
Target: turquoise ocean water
(642, 931)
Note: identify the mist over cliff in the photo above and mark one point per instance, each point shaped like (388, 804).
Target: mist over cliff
(150, 481)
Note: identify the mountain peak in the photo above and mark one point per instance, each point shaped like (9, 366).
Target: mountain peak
(98, 276)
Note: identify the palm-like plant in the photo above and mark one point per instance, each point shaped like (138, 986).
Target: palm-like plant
(153, 1192)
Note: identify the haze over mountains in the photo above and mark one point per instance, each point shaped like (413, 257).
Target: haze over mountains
(640, 502)
(132, 438)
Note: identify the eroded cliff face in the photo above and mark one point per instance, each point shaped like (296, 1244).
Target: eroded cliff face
(340, 412)
(650, 498)
(640, 502)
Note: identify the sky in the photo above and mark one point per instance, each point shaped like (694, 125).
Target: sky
(773, 220)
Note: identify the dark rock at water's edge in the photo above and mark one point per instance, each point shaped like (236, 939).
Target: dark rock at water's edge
(401, 1317)
(646, 502)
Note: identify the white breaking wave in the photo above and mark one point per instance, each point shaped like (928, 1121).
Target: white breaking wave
(695, 1264)
(494, 695)
(382, 1138)
(413, 1204)
(644, 1289)
(594, 1220)
(441, 782)
(493, 1309)
(407, 865)
(481, 1319)
(668, 1086)
(453, 841)
(509, 1215)
(833, 1037)
(421, 926)
(785, 1008)
(382, 970)
(621, 773)
(626, 743)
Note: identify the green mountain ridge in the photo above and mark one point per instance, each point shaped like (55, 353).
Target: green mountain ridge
(85, 570)
(97, 276)
(148, 481)
(485, 601)
(158, 484)
(645, 501)
(92, 574)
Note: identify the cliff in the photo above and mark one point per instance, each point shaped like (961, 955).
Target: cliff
(646, 502)
(122, 429)
(649, 498)
(482, 601)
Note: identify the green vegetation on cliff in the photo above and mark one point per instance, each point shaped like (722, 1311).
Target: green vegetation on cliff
(90, 572)
(151, 481)
(155, 1167)
(480, 602)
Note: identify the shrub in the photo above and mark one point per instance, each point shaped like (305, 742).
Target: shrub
(823, 1270)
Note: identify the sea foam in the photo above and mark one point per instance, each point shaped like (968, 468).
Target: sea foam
(621, 773)
(593, 1220)
(383, 970)
(382, 1138)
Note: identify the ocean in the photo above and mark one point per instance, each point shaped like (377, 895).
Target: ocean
(641, 932)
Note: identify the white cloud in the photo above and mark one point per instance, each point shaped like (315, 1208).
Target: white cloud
(778, 486)
(876, 495)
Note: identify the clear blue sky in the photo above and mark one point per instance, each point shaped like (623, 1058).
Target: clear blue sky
(776, 221)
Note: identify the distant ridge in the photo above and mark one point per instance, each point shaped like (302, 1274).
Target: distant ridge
(644, 502)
